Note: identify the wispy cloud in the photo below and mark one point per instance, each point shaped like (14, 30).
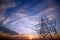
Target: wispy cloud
(6, 21)
(7, 4)
(1, 17)
(26, 15)
(48, 12)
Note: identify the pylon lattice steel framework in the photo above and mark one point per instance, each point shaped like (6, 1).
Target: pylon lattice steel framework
(46, 26)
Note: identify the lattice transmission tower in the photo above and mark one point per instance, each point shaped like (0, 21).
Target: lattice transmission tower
(46, 26)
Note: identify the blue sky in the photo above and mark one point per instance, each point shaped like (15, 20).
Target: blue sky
(20, 15)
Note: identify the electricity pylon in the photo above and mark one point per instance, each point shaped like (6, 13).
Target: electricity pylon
(46, 26)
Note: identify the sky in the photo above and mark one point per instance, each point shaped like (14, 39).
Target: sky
(22, 15)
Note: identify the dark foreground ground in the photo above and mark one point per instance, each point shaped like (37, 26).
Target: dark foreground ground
(29, 39)
(17, 38)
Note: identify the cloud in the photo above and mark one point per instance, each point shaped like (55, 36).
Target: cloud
(47, 12)
(25, 21)
(22, 16)
(1, 17)
(6, 21)
(7, 4)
